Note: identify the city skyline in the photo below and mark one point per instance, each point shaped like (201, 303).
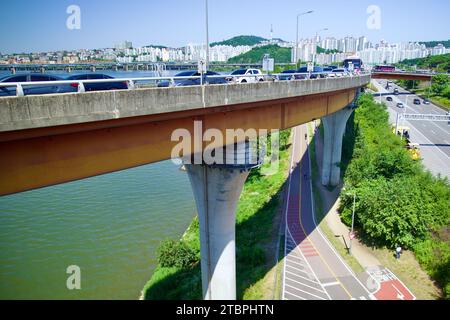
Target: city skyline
(101, 26)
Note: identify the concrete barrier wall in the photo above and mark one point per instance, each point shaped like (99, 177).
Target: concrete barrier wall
(18, 113)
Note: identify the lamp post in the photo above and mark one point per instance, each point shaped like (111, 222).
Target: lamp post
(353, 224)
(207, 36)
(296, 42)
(351, 235)
(315, 39)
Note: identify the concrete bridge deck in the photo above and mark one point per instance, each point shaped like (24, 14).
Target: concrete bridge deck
(51, 139)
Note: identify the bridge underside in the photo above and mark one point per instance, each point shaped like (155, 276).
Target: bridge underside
(40, 157)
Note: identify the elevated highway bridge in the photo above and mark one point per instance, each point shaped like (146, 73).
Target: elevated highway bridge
(52, 139)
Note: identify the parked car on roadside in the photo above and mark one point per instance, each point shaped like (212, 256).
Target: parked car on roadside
(206, 79)
(245, 76)
(100, 86)
(34, 89)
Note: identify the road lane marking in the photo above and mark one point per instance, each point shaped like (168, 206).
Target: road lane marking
(287, 230)
(321, 291)
(312, 242)
(291, 294)
(352, 274)
(299, 276)
(329, 284)
(309, 293)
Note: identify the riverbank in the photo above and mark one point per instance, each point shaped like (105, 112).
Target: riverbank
(257, 225)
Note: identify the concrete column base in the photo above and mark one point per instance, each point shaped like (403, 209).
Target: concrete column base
(334, 128)
(217, 192)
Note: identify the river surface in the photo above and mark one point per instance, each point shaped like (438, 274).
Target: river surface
(109, 226)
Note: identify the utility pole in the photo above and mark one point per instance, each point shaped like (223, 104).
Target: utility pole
(296, 42)
(353, 224)
(207, 36)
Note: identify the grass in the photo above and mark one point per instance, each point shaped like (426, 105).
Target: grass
(409, 271)
(320, 214)
(257, 226)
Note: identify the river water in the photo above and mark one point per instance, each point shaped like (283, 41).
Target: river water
(109, 226)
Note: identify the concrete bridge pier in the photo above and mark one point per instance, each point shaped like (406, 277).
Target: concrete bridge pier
(217, 189)
(334, 128)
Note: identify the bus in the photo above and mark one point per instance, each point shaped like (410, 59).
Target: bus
(384, 68)
(355, 62)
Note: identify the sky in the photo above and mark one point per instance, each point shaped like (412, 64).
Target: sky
(38, 26)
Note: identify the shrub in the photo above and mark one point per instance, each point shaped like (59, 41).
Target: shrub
(173, 253)
(397, 202)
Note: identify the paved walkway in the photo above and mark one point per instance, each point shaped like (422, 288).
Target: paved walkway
(313, 270)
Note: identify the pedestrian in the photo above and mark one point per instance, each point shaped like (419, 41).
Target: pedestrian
(398, 251)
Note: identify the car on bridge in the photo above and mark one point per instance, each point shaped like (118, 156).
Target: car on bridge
(34, 89)
(100, 86)
(338, 73)
(210, 77)
(245, 76)
(316, 73)
(287, 75)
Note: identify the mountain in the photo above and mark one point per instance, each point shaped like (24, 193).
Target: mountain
(432, 44)
(281, 55)
(240, 41)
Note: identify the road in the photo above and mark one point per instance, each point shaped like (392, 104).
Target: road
(313, 270)
(433, 137)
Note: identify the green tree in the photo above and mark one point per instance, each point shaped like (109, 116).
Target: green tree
(440, 84)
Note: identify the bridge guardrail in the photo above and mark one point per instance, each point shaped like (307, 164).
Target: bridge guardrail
(132, 81)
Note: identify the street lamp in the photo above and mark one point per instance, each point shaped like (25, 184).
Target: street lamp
(207, 35)
(296, 42)
(353, 224)
(315, 39)
(351, 236)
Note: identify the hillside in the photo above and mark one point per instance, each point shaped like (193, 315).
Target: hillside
(432, 44)
(240, 41)
(322, 50)
(281, 55)
(439, 63)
